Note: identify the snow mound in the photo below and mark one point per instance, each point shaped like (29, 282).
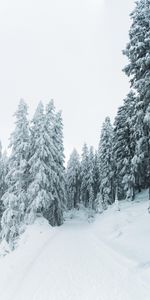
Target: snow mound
(127, 231)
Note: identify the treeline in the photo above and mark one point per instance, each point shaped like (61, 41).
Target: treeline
(121, 165)
(32, 179)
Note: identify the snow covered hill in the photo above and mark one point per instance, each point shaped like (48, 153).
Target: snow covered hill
(108, 259)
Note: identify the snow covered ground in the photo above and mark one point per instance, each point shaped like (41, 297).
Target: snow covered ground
(108, 259)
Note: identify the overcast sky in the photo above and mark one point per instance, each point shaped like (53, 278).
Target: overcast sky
(68, 50)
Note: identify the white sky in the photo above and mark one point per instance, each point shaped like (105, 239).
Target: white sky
(68, 50)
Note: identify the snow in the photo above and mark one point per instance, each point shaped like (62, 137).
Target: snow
(127, 230)
(107, 259)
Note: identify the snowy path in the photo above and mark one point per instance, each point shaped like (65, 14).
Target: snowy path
(74, 265)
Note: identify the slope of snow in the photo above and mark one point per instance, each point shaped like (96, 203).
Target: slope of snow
(127, 230)
(108, 259)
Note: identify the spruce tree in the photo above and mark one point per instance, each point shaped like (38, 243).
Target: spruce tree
(15, 198)
(56, 166)
(49, 119)
(124, 148)
(91, 179)
(39, 190)
(59, 192)
(73, 180)
(84, 195)
(96, 185)
(119, 151)
(106, 164)
(138, 70)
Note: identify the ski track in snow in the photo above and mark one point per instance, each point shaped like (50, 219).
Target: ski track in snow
(73, 264)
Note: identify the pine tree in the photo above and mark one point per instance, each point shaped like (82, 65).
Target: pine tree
(73, 180)
(119, 151)
(39, 190)
(90, 183)
(49, 212)
(106, 164)
(84, 195)
(88, 178)
(124, 148)
(15, 197)
(128, 168)
(91, 179)
(138, 70)
(56, 165)
(96, 185)
(59, 192)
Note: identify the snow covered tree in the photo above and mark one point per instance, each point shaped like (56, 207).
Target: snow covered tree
(106, 164)
(15, 198)
(124, 148)
(128, 168)
(137, 49)
(87, 194)
(96, 178)
(91, 178)
(84, 195)
(54, 213)
(49, 213)
(59, 191)
(40, 189)
(118, 151)
(138, 70)
(139, 161)
(90, 183)
(73, 180)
